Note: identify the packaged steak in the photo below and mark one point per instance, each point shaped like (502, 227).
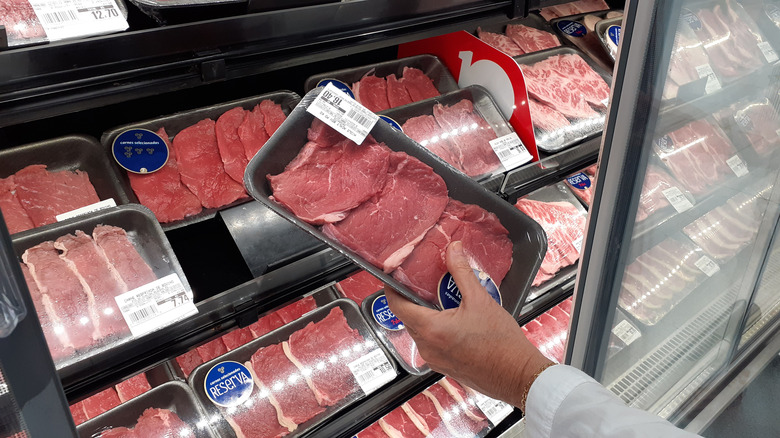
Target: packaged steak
(660, 191)
(608, 30)
(357, 287)
(757, 120)
(766, 14)
(521, 36)
(690, 72)
(22, 25)
(353, 203)
(582, 184)
(466, 129)
(567, 96)
(573, 8)
(90, 278)
(296, 377)
(549, 331)
(580, 30)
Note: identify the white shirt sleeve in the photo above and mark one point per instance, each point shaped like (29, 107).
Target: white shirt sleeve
(564, 402)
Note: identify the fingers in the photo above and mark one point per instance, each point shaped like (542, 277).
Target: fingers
(411, 314)
(458, 266)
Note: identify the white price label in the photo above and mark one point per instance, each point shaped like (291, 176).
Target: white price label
(769, 53)
(510, 150)
(678, 200)
(107, 203)
(705, 71)
(578, 244)
(738, 166)
(63, 19)
(494, 410)
(626, 332)
(342, 113)
(707, 266)
(372, 371)
(156, 305)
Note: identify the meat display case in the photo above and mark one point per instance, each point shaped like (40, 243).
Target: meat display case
(688, 288)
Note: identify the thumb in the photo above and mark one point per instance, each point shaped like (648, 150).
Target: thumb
(462, 273)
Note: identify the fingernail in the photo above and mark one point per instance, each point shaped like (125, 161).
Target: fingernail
(457, 248)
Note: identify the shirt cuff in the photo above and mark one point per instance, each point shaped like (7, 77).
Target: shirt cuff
(546, 394)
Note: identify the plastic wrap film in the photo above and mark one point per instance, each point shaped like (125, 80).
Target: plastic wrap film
(689, 67)
(518, 37)
(549, 331)
(573, 8)
(357, 287)
(758, 120)
(656, 192)
(22, 25)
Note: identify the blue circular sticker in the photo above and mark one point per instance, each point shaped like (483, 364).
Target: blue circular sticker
(140, 151)
(692, 19)
(449, 294)
(665, 144)
(613, 33)
(579, 180)
(384, 316)
(773, 12)
(572, 28)
(228, 384)
(338, 84)
(393, 124)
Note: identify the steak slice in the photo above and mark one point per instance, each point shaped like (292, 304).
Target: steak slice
(424, 130)
(500, 42)
(652, 197)
(358, 287)
(77, 412)
(530, 39)
(373, 431)
(273, 116)
(470, 137)
(406, 348)
(545, 117)
(426, 410)
(548, 86)
(266, 324)
(132, 387)
(231, 148)
(460, 394)
(45, 194)
(371, 92)
(297, 309)
(252, 132)
(418, 84)
(212, 349)
(257, 417)
(101, 402)
(58, 341)
(458, 423)
(396, 92)
(399, 423)
(16, 219)
(162, 423)
(189, 361)
(121, 253)
(237, 338)
(118, 432)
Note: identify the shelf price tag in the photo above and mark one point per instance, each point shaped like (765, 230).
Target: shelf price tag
(678, 200)
(510, 150)
(63, 19)
(626, 332)
(155, 305)
(769, 53)
(372, 371)
(707, 266)
(494, 410)
(342, 113)
(737, 166)
(705, 71)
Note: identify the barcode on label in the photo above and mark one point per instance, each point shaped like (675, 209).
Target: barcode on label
(705, 71)
(494, 410)
(678, 200)
(342, 113)
(737, 166)
(707, 266)
(510, 151)
(361, 120)
(143, 314)
(58, 16)
(626, 332)
(155, 305)
(769, 53)
(372, 371)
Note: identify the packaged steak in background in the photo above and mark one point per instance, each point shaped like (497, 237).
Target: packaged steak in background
(660, 191)
(608, 30)
(572, 8)
(550, 330)
(766, 14)
(357, 287)
(580, 30)
(757, 120)
(582, 184)
(691, 73)
(521, 36)
(298, 376)
(567, 95)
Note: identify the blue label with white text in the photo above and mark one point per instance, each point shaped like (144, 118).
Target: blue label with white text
(579, 180)
(140, 151)
(613, 33)
(338, 84)
(572, 28)
(393, 124)
(228, 384)
(384, 316)
(449, 294)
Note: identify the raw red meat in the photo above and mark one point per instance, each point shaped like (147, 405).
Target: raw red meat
(121, 253)
(584, 194)
(385, 229)
(572, 8)
(485, 241)
(307, 350)
(21, 22)
(358, 287)
(566, 305)
(266, 324)
(295, 401)
(273, 116)
(398, 423)
(546, 117)
(556, 90)
(687, 54)
(758, 121)
(297, 309)
(59, 344)
(257, 417)
(500, 42)
(551, 338)
(16, 219)
(431, 417)
(424, 130)
(189, 361)
(324, 135)
(396, 92)
(162, 423)
(724, 231)
(252, 132)
(201, 168)
(406, 348)
(531, 39)
(456, 420)
(470, 137)
(78, 414)
(212, 349)
(373, 431)
(101, 402)
(237, 338)
(371, 92)
(652, 197)
(418, 84)
(588, 82)
(231, 148)
(322, 184)
(45, 194)
(460, 394)
(163, 191)
(118, 432)
(132, 387)
(63, 297)
(729, 42)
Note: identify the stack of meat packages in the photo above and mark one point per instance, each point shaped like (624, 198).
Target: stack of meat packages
(585, 194)
(34, 196)
(207, 160)
(379, 94)
(549, 331)
(153, 423)
(519, 39)
(758, 120)
(73, 281)
(445, 409)
(187, 362)
(109, 398)
(652, 197)
(389, 208)
(573, 8)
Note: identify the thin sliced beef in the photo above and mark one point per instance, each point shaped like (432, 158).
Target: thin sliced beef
(556, 90)
(252, 132)
(396, 92)
(358, 287)
(297, 309)
(426, 410)
(652, 197)
(58, 341)
(398, 423)
(162, 423)
(212, 349)
(121, 253)
(470, 137)
(45, 194)
(500, 42)
(237, 338)
(460, 421)
(101, 402)
(531, 39)
(546, 118)
(257, 417)
(132, 387)
(273, 116)
(77, 412)
(418, 84)
(231, 149)
(371, 92)
(424, 130)
(266, 324)
(16, 219)
(189, 361)
(373, 431)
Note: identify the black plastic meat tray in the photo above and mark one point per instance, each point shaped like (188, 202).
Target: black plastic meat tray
(244, 354)
(176, 122)
(528, 238)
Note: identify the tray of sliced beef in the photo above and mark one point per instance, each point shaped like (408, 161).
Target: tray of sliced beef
(766, 14)
(549, 331)
(388, 204)
(209, 150)
(169, 410)
(662, 197)
(521, 36)
(580, 31)
(358, 286)
(394, 83)
(563, 219)
(40, 181)
(458, 127)
(568, 96)
(303, 373)
(75, 270)
(573, 8)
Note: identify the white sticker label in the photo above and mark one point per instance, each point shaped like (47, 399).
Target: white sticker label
(63, 19)
(705, 71)
(768, 51)
(707, 266)
(738, 166)
(679, 201)
(511, 151)
(372, 371)
(494, 410)
(107, 203)
(578, 244)
(156, 305)
(345, 115)
(626, 332)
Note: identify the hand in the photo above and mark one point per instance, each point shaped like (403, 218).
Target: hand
(479, 343)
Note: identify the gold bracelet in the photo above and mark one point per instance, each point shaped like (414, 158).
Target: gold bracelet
(528, 387)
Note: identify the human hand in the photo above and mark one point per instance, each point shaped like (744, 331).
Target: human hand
(479, 343)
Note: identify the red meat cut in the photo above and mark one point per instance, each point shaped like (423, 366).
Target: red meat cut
(163, 191)
(201, 168)
(121, 253)
(273, 116)
(101, 402)
(398, 423)
(470, 136)
(373, 431)
(16, 219)
(266, 324)
(500, 42)
(297, 309)
(371, 92)
(406, 348)
(118, 432)
(385, 229)
(231, 148)
(252, 132)
(758, 120)
(189, 361)
(162, 423)
(652, 197)
(59, 344)
(530, 39)
(237, 338)
(257, 417)
(21, 22)
(358, 287)
(77, 412)
(45, 194)
(212, 349)
(424, 130)
(724, 231)
(426, 410)
(464, 399)
(545, 117)
(572, 8)
(418, 84)
(458, 424)
(396, 92)
(132, 387)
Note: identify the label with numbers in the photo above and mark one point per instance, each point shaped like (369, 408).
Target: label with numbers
(372, 371)
(63, 19)
(494, 410)
(707, 266)
(769, 53)
(737, 165)
(342, 113)
(626, 332)
(156, 305)
(106, 203)
(577, 243)
(705, 71)
(510, 150)
(678, 200)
